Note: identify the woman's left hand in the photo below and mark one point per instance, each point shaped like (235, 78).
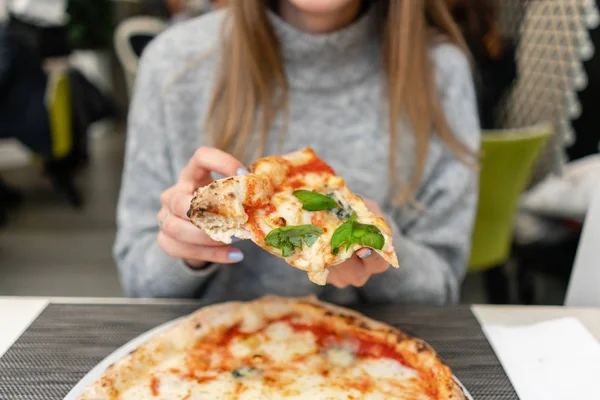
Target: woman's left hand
(357, 270)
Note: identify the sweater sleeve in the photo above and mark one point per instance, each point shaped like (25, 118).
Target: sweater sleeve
(433, 245)
(144, 269)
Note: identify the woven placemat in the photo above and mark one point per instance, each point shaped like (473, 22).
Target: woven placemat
(67, 341)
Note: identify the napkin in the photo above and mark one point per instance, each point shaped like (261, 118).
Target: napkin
(552, 360)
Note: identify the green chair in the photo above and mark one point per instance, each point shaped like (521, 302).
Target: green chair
(506, 166)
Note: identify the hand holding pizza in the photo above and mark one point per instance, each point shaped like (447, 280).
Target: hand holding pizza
(177, 236)
(295, 207)
(357, 270)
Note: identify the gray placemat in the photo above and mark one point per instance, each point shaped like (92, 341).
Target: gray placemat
(66, 341)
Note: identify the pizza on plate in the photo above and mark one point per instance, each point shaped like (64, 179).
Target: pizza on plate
(295, 207)
(278, 348)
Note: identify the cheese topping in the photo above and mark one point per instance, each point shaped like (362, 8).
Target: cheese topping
(282, 359)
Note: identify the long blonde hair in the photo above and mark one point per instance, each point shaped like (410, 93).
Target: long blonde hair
(251, 89)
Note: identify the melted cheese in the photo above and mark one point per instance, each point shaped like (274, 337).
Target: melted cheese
(282, 344)
(277, 362)
(340, 357)
(384, 368)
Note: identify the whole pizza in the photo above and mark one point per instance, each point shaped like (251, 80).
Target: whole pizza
(278, 348)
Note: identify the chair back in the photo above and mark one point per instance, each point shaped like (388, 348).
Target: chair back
(506, 167)
(124, 39)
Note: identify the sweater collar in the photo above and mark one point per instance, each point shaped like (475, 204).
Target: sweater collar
(332, 60)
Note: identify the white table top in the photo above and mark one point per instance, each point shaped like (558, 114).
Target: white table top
(17, 313)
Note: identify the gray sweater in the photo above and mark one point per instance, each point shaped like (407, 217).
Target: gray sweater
(337, 106)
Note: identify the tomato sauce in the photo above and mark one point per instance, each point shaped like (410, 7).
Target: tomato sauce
(253, 214)
(317, 219)
(295, 184)
(230, 334)
(154, 386)
(366, 349)
(315, 165)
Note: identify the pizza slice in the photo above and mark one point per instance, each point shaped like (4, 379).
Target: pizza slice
(295, 207)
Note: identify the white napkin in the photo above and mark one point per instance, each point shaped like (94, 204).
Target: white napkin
(552, 360)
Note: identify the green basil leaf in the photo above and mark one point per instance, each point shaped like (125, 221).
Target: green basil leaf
(373, 240)
(287, 249)
(312, 201)
(290, 238)
(310, 239)
(368, 235)
(343, 234)
(352, 232)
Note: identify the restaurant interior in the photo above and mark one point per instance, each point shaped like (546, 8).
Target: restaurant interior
(532, 275)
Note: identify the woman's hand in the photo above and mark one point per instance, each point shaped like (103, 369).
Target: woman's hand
(357, 270)
(178, 237)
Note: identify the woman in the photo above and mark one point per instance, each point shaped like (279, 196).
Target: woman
(295, 73)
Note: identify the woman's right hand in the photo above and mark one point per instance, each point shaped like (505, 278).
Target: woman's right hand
(178, 237)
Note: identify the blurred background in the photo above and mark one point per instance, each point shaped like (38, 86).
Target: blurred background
(67, 69)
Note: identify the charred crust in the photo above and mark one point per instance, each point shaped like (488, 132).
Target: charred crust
(189, 213)
(328, 314)
(231, 195)
(257, 358)
(350, 319)
(421, 347)
(212, 186)
(198, 325)
(363, 325)
(229, 179)
(204, 209)
(133, 351)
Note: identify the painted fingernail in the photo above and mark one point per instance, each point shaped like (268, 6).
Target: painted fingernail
(236, 256)
(366, 254)
(242, 171)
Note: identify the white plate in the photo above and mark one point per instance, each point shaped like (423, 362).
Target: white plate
(123, 351)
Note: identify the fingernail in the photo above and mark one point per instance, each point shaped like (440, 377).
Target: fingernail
(366, 254)
(236, 256)
(242, 171)
(235, 239)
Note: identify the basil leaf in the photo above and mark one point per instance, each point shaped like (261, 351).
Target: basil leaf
(372, 237)
(287, 249)
(343, 234)
(290, 238)
(352, 232)
(312, 201)
(310, 239)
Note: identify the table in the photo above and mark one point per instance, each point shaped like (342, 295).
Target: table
(105, 324)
